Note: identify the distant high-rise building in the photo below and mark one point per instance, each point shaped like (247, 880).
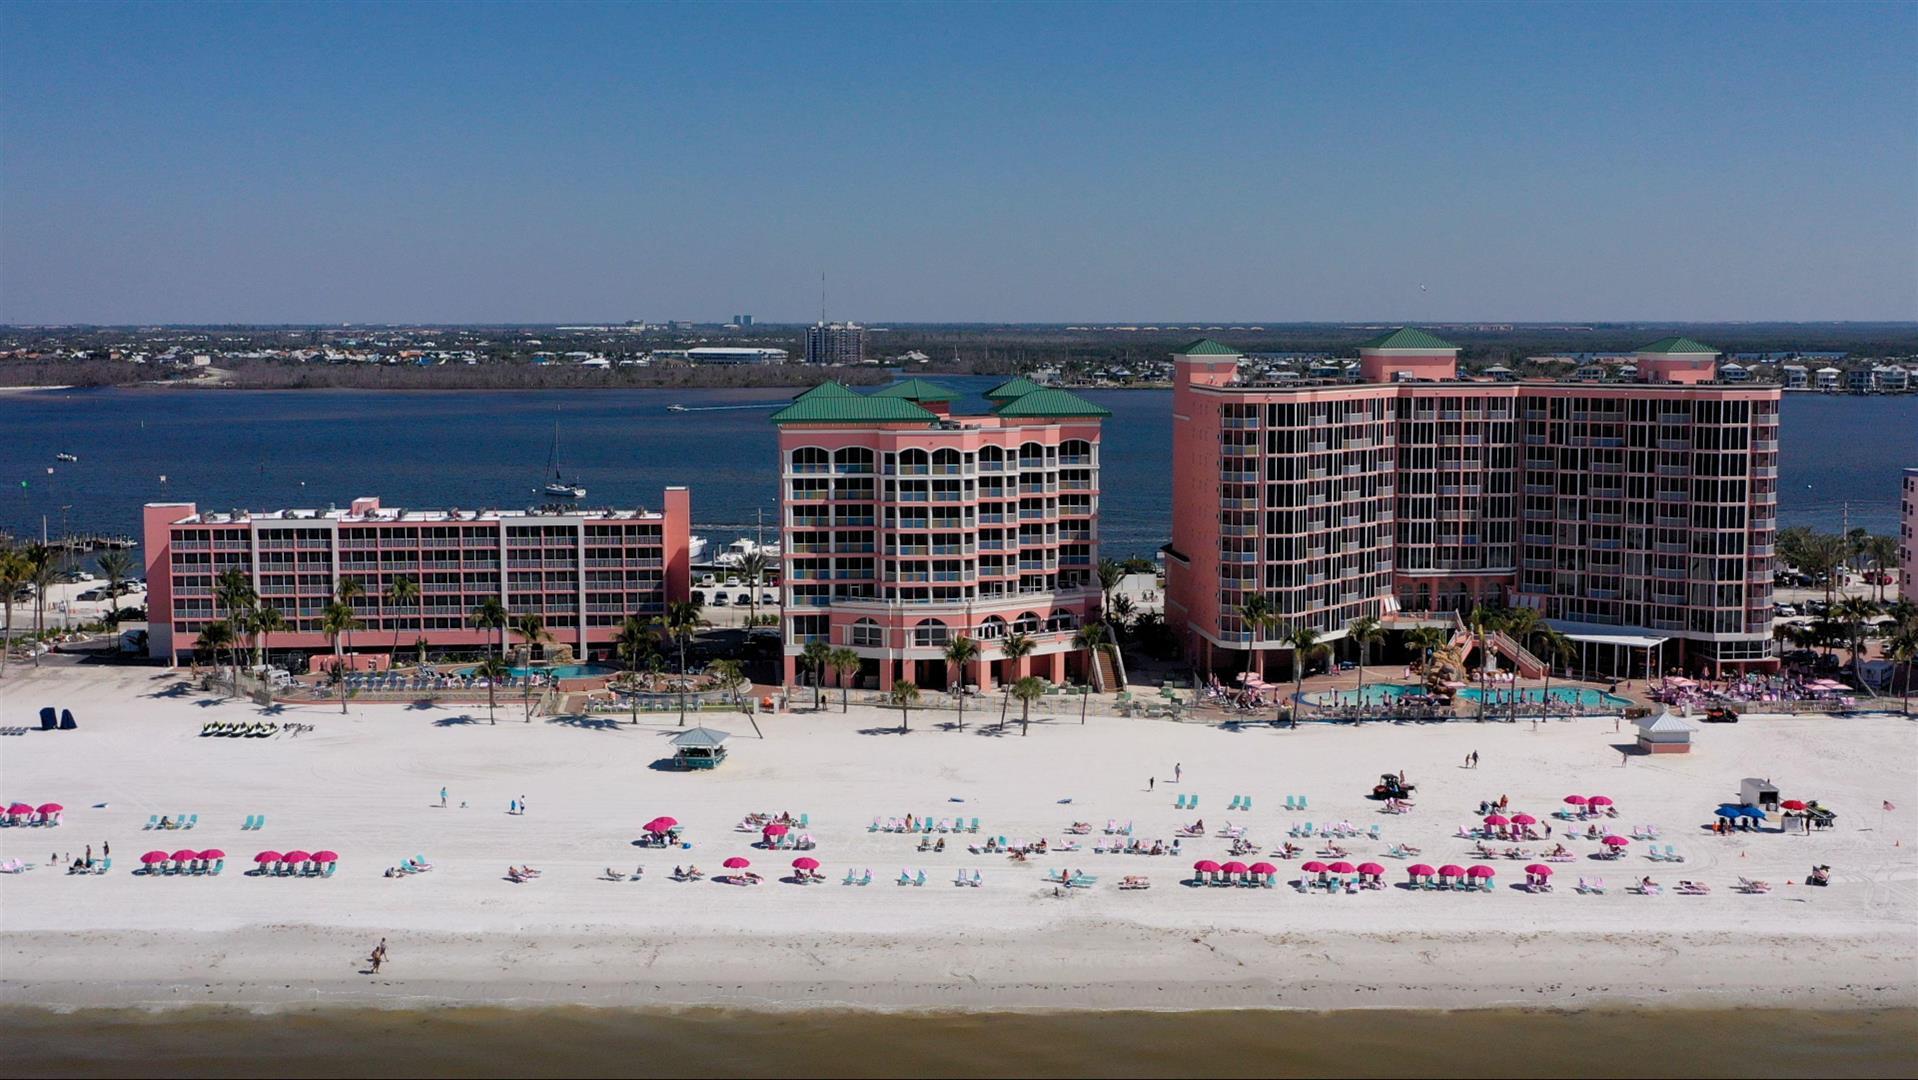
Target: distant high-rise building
(835, 343)
(742, 321)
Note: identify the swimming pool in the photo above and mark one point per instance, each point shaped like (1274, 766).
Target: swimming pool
(558, 671)
(1371, 694)
(1579, 696)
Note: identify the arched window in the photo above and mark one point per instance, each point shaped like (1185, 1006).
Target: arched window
(810, 459)
(992, 458)
(1026, 623)
(1061, 621)
(992, 629)
(855, 459)
(1032, 455)
(945, 462)
(866, 632)
(1076, 451)
(914, 461)
(930, 632)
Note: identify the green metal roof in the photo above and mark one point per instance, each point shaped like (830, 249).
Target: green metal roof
(1406, 337)
(916, 390)
(827, 389)
(1205, 347)
(1677, 345)
(1050, 403)
(851, 408)
(1012, 388)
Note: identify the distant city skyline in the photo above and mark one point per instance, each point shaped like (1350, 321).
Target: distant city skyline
(1061, 164)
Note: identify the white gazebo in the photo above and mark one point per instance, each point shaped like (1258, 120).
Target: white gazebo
(1665, 733)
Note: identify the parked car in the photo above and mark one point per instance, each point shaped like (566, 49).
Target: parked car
(1720, 714)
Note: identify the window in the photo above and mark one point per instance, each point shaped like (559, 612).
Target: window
(930, 632)
(866, 633)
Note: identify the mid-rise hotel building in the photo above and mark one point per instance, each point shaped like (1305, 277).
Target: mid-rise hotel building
(583, 572)
(1641, 515)
(906, 525)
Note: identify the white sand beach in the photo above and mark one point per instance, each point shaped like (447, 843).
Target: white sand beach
(367, 786)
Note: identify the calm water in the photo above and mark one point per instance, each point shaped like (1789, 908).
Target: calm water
(707, 1042)
(312, 448)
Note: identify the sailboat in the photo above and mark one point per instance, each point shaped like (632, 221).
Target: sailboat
(557, 487)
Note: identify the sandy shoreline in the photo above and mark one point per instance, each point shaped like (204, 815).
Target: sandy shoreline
(367, 786)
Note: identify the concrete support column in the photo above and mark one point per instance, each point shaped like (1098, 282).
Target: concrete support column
(1058, 667)
(792, 671)
(886, 666)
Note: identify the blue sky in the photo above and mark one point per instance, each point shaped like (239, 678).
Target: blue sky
(444, 162)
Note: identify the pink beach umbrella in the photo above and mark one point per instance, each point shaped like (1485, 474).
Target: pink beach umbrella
(1206, 866)
(805, 862)
(1450, 870)
(1575, 800)
(52, 808)
(184, 855)
(1419, 870)
(775, 829)
(665, 819)
(19, 808)
(1233, 867)
(1372, 868)
(296, 856)
(1341, 867)
(1598, 800)
(1314, 867)
(1497, 819)
(1792, 804)
(267, 857)
(1480, 872)
(737, 862)
(659, 825)
(1524, 819)
(1540, 869)
(1264, 868)
(153, 857)
(212, 853)
(1614, 841)
(326, 856)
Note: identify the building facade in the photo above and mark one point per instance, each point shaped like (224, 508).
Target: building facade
(1908, 537)
(905, 526)
(835, 343)
(583, 572)
(1640, 510)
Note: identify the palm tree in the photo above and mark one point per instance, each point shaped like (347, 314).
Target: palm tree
(401, 591)
(817, 654)
(266, 619)
(1305, 645)
(845, 664)
(1028, 690)
(532, 630)
(1902, 647)
(1854, 614)
(1121, 618)
(14, 572)
(1825, 556)
(1111, 574)
(1364, 632)
(1883, 553)
(1090, 638)
(904, 694)
(752, 567)
(681, 622)
(1554, 648)
(348, 590)
(633, 641)
(336, 620)
(117, 566)
(1015, 648)
(214, 636)
(1426, 639)
(1256, 613)
(490, 614)
(42, 573)
(727, 675)
(492, 669)
(961, 651)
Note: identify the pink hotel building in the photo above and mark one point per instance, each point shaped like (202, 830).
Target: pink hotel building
(905, 526)
(1639, 515)
(582, 572)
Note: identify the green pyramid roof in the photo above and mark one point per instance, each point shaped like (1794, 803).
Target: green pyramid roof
(1677, 345)
(850, 408)
(1012, 388)
(827, 389)
(1406, 337)
(1205, 347)
(1050, 403)
(916, 390)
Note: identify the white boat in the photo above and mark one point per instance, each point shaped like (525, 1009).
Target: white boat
(65, 457)
(736, 552)
(558, 487)
(695, 549)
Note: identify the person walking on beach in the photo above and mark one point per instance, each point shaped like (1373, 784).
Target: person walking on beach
(442, 797)
(1151, 782)
(522, 804)
(106, 849)
(512, 806)
(1178, 773)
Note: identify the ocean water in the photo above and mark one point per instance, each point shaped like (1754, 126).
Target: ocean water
(568, 1042)
(315, 448)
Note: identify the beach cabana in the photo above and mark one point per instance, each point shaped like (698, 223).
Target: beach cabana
(1760, 793)
(1664, 734)
(700, 748)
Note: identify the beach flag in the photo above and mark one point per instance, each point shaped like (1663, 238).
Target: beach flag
(1888, 805)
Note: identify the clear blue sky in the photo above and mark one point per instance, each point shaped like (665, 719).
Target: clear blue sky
(444, 162)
